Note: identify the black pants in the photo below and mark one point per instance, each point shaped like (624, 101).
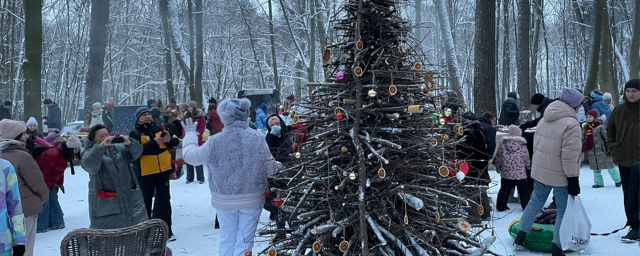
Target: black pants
(158, 183)
(270, 206)
(630, 200)
(524, 192)
(199, 172)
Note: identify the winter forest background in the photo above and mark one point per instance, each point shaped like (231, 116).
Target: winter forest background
(77, 52)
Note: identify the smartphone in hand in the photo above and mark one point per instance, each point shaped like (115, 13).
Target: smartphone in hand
(118, 139)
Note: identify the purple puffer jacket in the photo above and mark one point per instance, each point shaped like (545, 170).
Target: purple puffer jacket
(512, 158)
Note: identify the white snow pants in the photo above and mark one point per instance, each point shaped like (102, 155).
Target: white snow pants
(237, 230)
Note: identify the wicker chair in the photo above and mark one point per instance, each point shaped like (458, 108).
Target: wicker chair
(148, 238)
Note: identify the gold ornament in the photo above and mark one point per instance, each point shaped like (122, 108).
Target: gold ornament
(442, 121)
(417, 66)
(406, 219)
(444, 171)
(298, 155)
(413, 109)
(359, 45)
(358, 71)
(372, 93)
(317, 246)
(272, 251)
(352, 176)
(433, 142)
(344, 246)
(445, 137)
(393, 90)
(344, 149)
(382, 173)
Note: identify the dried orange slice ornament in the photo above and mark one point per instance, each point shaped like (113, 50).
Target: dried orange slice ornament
(344, 149)
(417, 66)
(433, 142)
(480, 209)
(393, 90)
(443, 171)
(406, 219)
(458, 129)
(317, 246)
(359, 45)
(358, 71)
(437, 216)
(464, 225)
(296, 119)
(272, 252)
(382, 173)
(344, 246)
(445, 137)
(326, 55)
(428, 76)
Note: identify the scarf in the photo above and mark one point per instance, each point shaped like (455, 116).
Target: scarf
(588, 135)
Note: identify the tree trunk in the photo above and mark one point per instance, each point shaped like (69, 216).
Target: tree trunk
(166, 33)
(506, 54)
(312, 46)
(33, 53)
(634, 54)
(97, 46)
(449, 45)
(274, 59)
(192, 51)
(199, 54)
(484, 57)
(592, 75)
(535, 46)
(606, 73)
(522, 51)
(418, 19)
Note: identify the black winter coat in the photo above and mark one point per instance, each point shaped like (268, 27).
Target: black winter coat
(533, 123)
(4, 113)
(280, 147)
(509, 114)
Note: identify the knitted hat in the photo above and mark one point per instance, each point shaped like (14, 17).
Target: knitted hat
(536, 99)
(572, 97)
(140, 111)
(193, 104)
(53, 135)
(73, 142)
(232, 110)
(155, 112)
(633, 83)
(606, 96)
(31, 121)
(212, 100)
(291, 97)
(8, 103)
(263, 107)
(150, 102)
(97, 105)
(593, 113)
(10, 129)
(48, 101)
(515, 130)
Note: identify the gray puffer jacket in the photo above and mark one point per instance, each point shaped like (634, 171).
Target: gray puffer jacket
(599, 157)
(110, 172)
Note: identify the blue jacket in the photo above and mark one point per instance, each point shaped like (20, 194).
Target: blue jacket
(261, 119)
(601, 106)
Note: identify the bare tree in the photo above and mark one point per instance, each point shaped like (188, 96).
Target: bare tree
(522, 50)
(274, 62)
(484, 57)
(449, 45)
(592, 77)
(634, 50)
(33, 53)
(199, 53)
(166, 34)
(97, 46)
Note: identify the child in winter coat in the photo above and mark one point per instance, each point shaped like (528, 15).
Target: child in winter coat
(96, 114)
(11, 217)
(261, 117)
(511, 162)
(595, 145)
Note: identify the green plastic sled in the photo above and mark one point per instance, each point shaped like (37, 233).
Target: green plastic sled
(539, 239)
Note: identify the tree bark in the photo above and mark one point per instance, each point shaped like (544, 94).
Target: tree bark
(274, 59)
(484, 57)
(97, 46)
(33, 53)
(592, 75)
(634, 54)
(449, 45)
(192, 51)
(506, 54)
(535, 45)
(312, 46)
(166, 33)
(606, 73)
(522, 51)
(199, 54)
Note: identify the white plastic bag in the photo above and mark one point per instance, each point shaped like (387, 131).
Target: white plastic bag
(575, 231)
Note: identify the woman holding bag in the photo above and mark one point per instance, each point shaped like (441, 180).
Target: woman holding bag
(557, 147)
(115, 200)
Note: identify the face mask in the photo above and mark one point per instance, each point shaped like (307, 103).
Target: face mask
(275, 129)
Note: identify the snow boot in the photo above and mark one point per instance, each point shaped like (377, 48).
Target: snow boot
(519, 242)
(632, 237)
(597, 186)
(619, 184)
(556, 251)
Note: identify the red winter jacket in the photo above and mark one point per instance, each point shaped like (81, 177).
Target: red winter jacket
(214, 121)
(52, 164)
(202, 123)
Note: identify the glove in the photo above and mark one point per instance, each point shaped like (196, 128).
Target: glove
(18, 250)
(189, 126)
(275, 130)
(61, 187)
(574, 186)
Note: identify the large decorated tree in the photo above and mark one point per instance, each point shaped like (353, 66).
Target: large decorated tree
(380, 173)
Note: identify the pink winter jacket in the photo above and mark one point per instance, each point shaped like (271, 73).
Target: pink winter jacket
(512, 158)
(557, 146)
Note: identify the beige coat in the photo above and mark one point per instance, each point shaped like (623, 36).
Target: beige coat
(557, 146)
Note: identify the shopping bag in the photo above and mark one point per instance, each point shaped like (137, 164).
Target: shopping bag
(575, 231)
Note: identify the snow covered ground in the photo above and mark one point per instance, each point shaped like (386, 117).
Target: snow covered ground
(193, 219)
